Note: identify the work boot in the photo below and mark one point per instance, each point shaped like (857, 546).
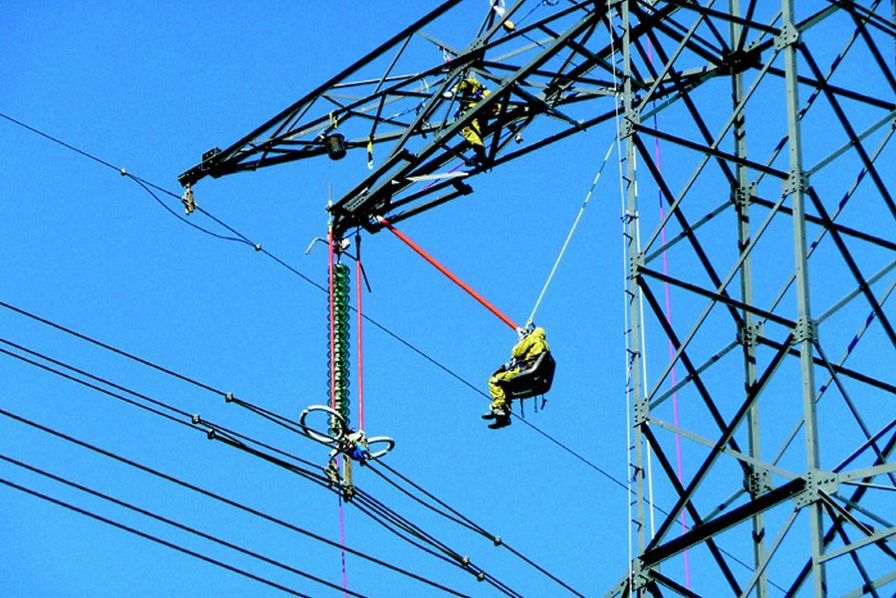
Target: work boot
(493, 413)
(501, 421)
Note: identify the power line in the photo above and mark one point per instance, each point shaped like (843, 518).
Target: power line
(222, 434)
(215, 430)
(123, 171)
(195, 419)
(98, 388)
(216, 433)
(459, 518)
(151, 537)
(379, 512)
(108, 347)
(242, 238)
(195, 382)
(258, 247)
(193, 422)
(171, 522)
(219, 498)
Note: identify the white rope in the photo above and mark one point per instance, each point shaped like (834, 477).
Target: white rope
(644, 359)
(575, 224)
(628, 372)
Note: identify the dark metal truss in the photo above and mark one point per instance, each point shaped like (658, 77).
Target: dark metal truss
(765, 410)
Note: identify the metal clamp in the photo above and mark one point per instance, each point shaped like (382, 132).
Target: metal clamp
(344, 440)
(188, 200)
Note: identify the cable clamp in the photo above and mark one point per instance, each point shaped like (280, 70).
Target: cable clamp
(331, 471)
(188, 200)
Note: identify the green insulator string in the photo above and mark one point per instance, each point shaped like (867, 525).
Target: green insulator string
(341, 364)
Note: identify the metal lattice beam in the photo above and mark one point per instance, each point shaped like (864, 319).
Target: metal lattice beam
(778, 473)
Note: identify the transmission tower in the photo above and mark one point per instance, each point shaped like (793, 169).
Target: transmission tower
(760, 231)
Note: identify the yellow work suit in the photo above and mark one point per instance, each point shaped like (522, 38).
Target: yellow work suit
(471, 91)
(523, 353)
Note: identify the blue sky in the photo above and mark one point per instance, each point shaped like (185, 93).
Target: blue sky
(149, 89)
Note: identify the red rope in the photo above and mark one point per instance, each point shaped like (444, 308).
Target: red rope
(360, 345)
(451, 276)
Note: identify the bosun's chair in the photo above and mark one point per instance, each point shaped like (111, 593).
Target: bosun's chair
(533, 381)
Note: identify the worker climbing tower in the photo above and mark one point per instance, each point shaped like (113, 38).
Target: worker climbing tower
(758, 220)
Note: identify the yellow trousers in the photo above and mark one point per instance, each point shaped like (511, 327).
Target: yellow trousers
(499, 397)
(473, 134)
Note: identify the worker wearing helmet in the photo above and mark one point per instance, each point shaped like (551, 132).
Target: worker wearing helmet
(469, 92)
(532, 343)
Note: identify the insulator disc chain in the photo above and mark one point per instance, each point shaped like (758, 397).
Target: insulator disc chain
(341, 363)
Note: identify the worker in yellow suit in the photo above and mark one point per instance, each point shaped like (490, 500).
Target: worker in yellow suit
(469, 92)
(532, 343)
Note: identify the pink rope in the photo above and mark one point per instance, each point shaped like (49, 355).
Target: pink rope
(360, 346)
(678, 459)
(333, 398)
(342, 542)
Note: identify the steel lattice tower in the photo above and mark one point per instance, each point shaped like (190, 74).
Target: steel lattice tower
(757, 178)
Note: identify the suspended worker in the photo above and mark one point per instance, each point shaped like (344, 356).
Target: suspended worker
(531, 344)
(469, 92)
